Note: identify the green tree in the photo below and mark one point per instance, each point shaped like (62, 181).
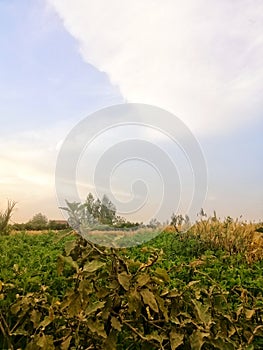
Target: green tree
(38, 222)
(107, 211)
(90, 201)
(96, 209)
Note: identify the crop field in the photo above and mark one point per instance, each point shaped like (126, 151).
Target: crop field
(201, 290)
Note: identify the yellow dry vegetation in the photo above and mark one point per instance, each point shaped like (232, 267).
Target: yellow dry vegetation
(232, 235)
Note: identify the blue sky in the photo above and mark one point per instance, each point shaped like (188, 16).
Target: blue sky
(60, 62)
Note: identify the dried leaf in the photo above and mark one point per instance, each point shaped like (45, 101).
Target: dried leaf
(116, 323)
(69, 246)
(35, 317)
(162, 274)
(94, 307)
(176, 339)
(75, 306)
(143, 279)
(249, 313)
(149, 299)
(43, 324)
(70, 261)
(155, 336)
(97, 327)
(124, 280)
(66, 343)
(202, 312)
(197, 339)
(220, 343)
(134, 302)
(93, 266)
(46, 342)
(162, 307)
(60, 265)
(15, 308)
(111, 341)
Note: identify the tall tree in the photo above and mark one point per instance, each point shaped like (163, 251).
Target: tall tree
(107, 212)
(39, 221)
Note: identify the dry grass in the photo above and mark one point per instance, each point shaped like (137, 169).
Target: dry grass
(231, 235)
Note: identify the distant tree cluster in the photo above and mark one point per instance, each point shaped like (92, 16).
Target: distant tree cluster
(102, 210)
(40, 222)
(96, 212)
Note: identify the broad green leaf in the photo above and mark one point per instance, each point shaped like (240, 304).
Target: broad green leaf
(69, 246)
(176, 339)
(149, 299)
(250, 347)
(124, 280)
(70, 261)
(60, 265)
(93, 265)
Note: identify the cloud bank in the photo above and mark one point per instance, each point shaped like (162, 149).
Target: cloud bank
(201, 60)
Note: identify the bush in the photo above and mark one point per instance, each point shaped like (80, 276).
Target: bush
(114, 301)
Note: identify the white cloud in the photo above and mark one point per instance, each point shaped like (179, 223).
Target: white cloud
(200, 60)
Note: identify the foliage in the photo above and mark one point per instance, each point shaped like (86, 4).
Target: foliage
(5, 218)
(29, 261)
(38, 222)
(168, 294)
(53, 225)
(102, 211)
(95, 212)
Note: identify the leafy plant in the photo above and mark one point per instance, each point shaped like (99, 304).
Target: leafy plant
(5, 217)
(116, 302)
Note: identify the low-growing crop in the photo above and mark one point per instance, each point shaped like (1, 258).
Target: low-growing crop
(170, 293)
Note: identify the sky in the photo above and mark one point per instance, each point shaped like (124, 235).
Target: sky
(201, 60)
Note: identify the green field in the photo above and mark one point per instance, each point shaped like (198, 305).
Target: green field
(196, 290)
